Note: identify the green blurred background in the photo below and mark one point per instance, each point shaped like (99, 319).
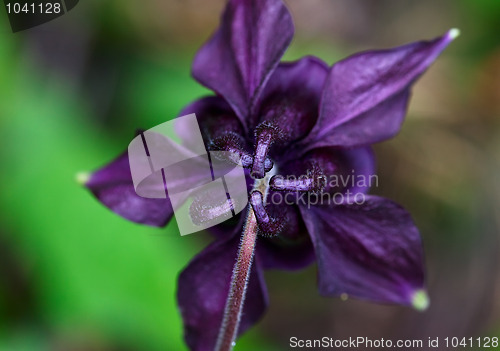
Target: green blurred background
(74, 276)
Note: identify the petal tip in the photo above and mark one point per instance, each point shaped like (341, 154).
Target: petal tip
(420, 300)
(82, 178)
(453, 33)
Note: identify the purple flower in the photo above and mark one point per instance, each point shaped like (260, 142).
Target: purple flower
(313, 123)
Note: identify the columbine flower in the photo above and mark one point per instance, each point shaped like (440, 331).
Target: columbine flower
(308, 122)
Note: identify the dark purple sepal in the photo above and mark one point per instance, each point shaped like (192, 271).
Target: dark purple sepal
(239, 58)
(291, 98)
(203, 289)
(371, 251)
(215, 118)
(112, 185)
(292, 249)
(366, 95)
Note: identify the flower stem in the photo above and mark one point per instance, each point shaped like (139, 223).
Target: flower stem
(239, 282)
(241, 273)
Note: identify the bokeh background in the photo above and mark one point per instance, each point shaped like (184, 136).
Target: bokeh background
(74, 276)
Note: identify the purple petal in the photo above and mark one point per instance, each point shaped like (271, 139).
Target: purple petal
(215, 118)
(346, 170)
(291, 98)
(113, 186)
(292, 249)
(240, 57)
(203, 290)
(370, 251)
(366, 95)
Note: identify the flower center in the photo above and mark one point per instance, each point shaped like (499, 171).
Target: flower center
(262, 169)
(267, 225)
(314, 181)
(265, 135)
(233, 144)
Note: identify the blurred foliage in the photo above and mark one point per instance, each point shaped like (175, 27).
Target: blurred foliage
(98, 280)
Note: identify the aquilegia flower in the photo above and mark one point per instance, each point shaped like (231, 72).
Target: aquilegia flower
(304, 122)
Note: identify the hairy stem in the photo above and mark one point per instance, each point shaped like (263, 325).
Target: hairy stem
(239, 279)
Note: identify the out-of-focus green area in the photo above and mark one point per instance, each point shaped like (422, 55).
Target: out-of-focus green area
(74, 276)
